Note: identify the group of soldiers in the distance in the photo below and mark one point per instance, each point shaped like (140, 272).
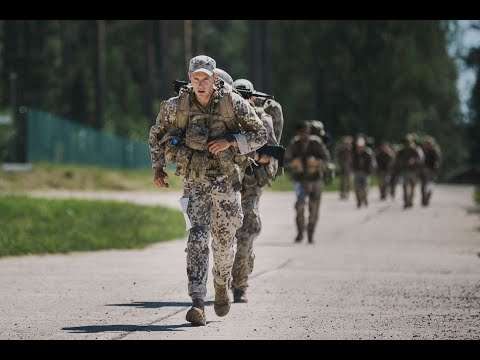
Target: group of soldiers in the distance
(416, 159)
(310, 165)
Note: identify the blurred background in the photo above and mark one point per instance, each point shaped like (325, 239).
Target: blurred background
(87, 91)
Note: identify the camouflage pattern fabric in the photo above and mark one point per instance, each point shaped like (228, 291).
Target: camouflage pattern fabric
(249, 231)
(213, 208)
(254, 135)
(308, 191)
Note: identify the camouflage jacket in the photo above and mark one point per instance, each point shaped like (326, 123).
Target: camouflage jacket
(252, 136)
(298, 149)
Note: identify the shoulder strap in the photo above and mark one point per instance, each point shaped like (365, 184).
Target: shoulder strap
(226, 111)
(183, 110)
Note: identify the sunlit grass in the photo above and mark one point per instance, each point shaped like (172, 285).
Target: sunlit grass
(38, 226)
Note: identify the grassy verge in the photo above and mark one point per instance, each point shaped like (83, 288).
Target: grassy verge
(38, 226)
(45, 176)
(477, 195)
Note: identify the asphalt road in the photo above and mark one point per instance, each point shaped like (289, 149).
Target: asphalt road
(373, 273)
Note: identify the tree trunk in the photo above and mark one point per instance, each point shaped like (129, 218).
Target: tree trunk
(150, 70)
(100, 74)
(187, 41)
(256, 53)
(200, 37)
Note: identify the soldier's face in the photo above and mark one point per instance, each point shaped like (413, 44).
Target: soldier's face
(202, 85)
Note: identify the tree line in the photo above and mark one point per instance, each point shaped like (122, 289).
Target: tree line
(384, 78)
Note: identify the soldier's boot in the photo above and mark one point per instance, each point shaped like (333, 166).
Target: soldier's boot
(299, 237)
(310, 237)
(240, 296)
(196, 314)
(222, 300)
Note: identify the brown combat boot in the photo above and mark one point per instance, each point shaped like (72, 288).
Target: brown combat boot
(240, 296)
(196, 314)
(222, 300)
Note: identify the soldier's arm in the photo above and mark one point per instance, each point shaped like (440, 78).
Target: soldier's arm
(165, 119)
(255, 134)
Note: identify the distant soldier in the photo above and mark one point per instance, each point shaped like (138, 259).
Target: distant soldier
(408, 162)
(363, 164)
(307, 156)
(384, 159)
(344, 162)
(430, 168)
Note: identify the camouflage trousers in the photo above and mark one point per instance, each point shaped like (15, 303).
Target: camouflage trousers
(214, 209)
(360, 181)
(345, 183)
(409, 183)
(383, 178)
(248, 232)
(427, 179)
(311, 189)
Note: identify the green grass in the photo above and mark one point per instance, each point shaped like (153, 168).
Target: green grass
(38, 226)
(477, 195)
(46, 176)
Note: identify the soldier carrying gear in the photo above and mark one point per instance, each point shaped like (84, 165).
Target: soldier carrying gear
(210, 122)
(254, 180)
(429, 171)
(363, 163)
(306, 157)
(407, 164)
(344, 157)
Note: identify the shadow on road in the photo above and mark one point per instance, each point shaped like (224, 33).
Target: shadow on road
(124, 328)
(159, 304)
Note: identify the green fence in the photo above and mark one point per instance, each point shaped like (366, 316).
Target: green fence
(54, 139)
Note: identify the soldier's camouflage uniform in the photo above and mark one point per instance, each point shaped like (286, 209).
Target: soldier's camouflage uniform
(429, 173)
(363, 165)
(308, 178)
(408, 171)
(385, 159)
(344, 161)
(252, 189)
(213, 205)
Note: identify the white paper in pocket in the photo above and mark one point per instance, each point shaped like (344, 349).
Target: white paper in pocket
(184, 203)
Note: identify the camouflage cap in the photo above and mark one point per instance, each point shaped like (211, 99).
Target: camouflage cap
(222, 74)
(202, 63)
(243, 84)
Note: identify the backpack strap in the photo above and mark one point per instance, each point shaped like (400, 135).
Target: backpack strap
(183, 110)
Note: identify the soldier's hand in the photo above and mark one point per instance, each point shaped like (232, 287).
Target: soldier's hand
(217, 145)
(159, 177)
(264, 159)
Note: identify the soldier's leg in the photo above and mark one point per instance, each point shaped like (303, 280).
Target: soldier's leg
(226, 219)
(300, 209)
(358, 190)
(413, 182)
(314, 200)
(382, 184)
(405, 186)
(393, 184)
(423, 187)
(348, 184)
(246, 234)
(198, 211)
(343, 186)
